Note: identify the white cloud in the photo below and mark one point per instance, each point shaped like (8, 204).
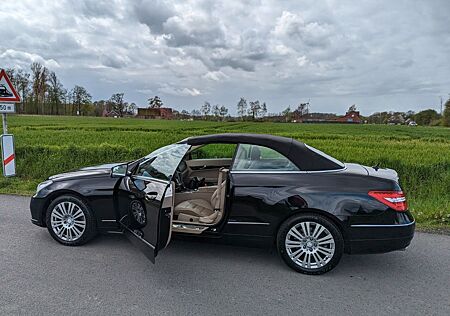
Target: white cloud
(334, 52)
(215, 76)
(179, 91)
(24, 59)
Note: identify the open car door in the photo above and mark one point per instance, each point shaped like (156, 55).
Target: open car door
(145, 200)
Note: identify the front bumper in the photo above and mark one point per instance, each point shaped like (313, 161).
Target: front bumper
(37, 208)
(373, 238)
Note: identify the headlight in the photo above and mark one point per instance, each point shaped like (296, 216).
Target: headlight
(43, 185)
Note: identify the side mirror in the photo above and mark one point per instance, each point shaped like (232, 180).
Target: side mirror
(119, 170)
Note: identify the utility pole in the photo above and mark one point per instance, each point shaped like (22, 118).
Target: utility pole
(441, 104)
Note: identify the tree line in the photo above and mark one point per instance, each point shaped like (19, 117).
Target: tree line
(43, 93)
(256, 110)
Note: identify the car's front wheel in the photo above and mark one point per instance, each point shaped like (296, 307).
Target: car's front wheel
(310, 243)
(70, 221)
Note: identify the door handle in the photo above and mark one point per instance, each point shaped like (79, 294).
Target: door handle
(150, 196)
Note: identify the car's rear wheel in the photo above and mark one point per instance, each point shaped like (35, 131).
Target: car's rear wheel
(310, 243)
(70, 221)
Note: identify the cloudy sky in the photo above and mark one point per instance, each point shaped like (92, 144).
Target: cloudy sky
(381, 55)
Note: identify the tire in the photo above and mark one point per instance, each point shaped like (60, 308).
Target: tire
(70, 221)
(298, 240)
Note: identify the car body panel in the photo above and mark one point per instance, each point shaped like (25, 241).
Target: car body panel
(150, 231)
(257, 202)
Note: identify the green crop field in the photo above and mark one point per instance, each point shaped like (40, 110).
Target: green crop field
(421, 155)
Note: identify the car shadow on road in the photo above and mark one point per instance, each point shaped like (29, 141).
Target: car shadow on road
(195, 257)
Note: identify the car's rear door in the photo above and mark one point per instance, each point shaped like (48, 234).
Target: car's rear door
(145, 203)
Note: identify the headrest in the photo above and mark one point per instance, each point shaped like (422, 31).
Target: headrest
(255, 154)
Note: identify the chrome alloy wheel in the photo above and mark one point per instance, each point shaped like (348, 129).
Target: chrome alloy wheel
(138, 212)
(309, 245)
(68, 221)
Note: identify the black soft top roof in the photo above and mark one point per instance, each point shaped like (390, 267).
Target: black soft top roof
(303, 157)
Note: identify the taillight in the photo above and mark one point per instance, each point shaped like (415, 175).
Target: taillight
(394, 199)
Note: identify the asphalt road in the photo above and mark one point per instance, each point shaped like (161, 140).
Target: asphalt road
(109, 276)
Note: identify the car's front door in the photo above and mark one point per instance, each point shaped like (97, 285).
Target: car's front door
(145, 200)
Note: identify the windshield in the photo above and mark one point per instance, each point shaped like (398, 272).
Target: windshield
(162, 163)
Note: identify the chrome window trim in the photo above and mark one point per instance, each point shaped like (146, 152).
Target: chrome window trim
(324, 155)
(286, 171)
(247, 223)
(384, 225)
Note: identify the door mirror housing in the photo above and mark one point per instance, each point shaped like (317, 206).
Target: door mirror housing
(119, 170)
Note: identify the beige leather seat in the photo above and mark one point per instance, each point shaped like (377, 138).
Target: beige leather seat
(204, 211)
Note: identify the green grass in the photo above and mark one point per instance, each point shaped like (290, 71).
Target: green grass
(50, 145)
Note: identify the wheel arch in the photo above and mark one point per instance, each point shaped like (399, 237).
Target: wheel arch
(56, 194)
(315, 211)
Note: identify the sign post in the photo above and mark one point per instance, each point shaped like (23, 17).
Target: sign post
(4, 124)
(8, 96)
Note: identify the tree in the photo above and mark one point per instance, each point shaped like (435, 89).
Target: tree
(255, 107)
(131, 108)
(196, 112)
(55, 92)
(155, 102)
(20, 81)
(302, 109)
(117, 104)
(205, 109)
(223, 111)
(185, 114)
(99, 107)
(216, 110)
(287, 114)
(409, 115)
(263, 110)
(40, 77)
(446, 114)
(352, 108)
(242, 107)
(426, 117)
(67, 101)
(81, 98)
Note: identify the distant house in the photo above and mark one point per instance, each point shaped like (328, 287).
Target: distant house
(111, 113)
(155, 113)
(351, 117)
(396, 119)
(316, 118)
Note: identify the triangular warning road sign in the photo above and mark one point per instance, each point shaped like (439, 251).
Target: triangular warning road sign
(7, 91)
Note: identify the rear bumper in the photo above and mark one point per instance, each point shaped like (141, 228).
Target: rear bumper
(380, 238)
(37, 211)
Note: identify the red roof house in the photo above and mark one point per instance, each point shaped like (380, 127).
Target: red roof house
(351, 117)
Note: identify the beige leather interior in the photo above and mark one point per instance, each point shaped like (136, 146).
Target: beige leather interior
(207, 168)
(204, 206)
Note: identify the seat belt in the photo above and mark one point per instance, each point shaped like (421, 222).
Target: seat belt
(219, 191)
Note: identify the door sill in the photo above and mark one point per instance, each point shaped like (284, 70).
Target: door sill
(188, 228)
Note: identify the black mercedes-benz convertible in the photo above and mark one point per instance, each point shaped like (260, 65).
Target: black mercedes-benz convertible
(242, 188)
